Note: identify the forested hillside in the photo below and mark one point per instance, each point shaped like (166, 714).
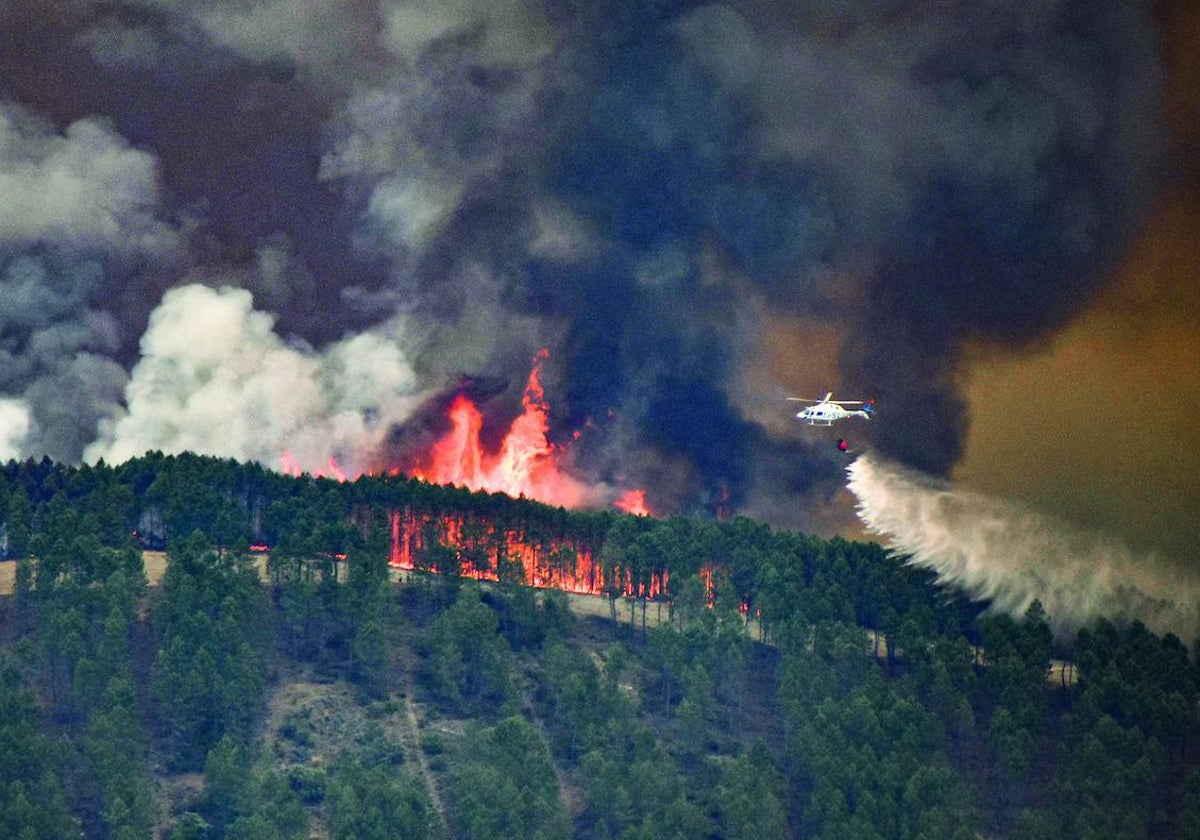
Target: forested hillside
(333, 697)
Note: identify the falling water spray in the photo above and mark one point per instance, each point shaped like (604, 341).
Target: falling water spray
(1004, 552)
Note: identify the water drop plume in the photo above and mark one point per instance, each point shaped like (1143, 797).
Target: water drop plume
(1004, 552)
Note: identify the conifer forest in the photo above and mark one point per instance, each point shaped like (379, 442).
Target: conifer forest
(199, 648)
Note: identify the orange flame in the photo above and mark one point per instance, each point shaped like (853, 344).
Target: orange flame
(335, 470)
(290, 465)
(526, 462)
(564, 564)
(633, 502)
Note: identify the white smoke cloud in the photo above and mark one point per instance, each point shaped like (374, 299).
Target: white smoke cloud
(1002, 551)
(216, 379)
(328, 40)
(266, 28)
(457, 103)
(412, 193)
(77, 215)
(84, 189)
(399, 143)
(502, 32)
(14, 426)
(329, 37)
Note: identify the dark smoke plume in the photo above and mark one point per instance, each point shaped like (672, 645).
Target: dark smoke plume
(637, 186)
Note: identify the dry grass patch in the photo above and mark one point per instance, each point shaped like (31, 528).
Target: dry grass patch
(312, 723)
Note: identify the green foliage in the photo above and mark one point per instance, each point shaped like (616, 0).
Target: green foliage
(468, 658)
(376, 803)
(1103, 784)
(749, 800)
(242, 799)
(504, 785)
(32, 799)
(579, 704)
(1138, 679)
(114, 750)
(306, 595)
(695, 666)
(18, 521)
(631, 786)
(642, 798)
(254, 827)
(1187, 821)
(24, 603)
(1134, 700)
(308, 783)
(190, 826)
(208, 671)
(370, 658)
(530, 618)
(903, 735)
(860, 758)
(225, 772)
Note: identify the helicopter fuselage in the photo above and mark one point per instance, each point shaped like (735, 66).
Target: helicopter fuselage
(824, 414)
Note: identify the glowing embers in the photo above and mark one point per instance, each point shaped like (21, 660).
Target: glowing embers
(477, 549)
(526, 463)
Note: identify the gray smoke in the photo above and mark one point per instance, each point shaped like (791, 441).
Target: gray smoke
(639, 187)
(76, 209)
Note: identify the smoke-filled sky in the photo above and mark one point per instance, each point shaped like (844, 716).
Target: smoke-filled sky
(244, 226)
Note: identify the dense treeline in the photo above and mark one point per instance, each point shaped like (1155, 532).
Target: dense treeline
(492, 711)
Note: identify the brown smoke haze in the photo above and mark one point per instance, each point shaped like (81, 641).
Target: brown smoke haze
(1101, 424)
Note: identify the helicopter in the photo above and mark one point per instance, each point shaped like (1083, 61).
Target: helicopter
(826, 410)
